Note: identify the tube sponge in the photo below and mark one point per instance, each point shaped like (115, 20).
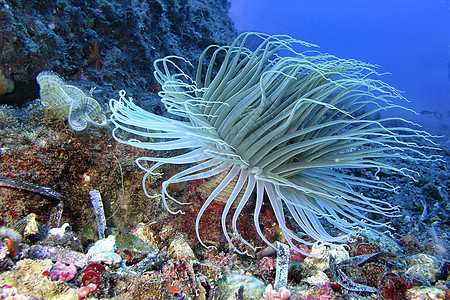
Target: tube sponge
(67, 101)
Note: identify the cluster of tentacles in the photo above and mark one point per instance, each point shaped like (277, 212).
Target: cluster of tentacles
(285, 127)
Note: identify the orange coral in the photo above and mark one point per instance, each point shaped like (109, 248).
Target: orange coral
(95, 56)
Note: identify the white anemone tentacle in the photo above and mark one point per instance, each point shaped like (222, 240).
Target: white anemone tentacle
(289, 127)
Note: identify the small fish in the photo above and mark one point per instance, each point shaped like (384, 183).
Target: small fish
(426, 112)
(437, 114)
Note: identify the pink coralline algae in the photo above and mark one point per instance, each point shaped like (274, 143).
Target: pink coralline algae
(221, 258)
(62, 272)
(84, 291)
(267, 265)
(271, 294)
(297, 256)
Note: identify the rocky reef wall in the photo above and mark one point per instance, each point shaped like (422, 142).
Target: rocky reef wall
(103, 44)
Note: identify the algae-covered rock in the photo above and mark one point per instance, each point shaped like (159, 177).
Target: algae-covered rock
(317, 278)
(6, 84)
(103, 252)
(249, 287)
(60, 254)
(423, 266)
(321, 256)
(28, 279)
(179, 248)
(427, 293)
(131, 242)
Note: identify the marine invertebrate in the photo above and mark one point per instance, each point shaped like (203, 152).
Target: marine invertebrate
(97, 204)
(92, 274)
(84, 291)
(286, 128)
(282, 269)
(273, 294)
(67, 101)
(95, 56)
(62, 272)
(27, 186)
(10, 240)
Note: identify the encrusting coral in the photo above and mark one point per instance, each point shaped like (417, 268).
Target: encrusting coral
(288, 129)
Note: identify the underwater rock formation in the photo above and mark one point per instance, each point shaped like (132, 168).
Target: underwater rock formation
(57, 35)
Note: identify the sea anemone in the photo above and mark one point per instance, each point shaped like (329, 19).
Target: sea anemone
(285, 126)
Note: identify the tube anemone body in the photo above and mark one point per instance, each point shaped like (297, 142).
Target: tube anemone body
(289, 128)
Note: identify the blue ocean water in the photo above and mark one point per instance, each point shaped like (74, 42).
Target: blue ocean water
(408, 38)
